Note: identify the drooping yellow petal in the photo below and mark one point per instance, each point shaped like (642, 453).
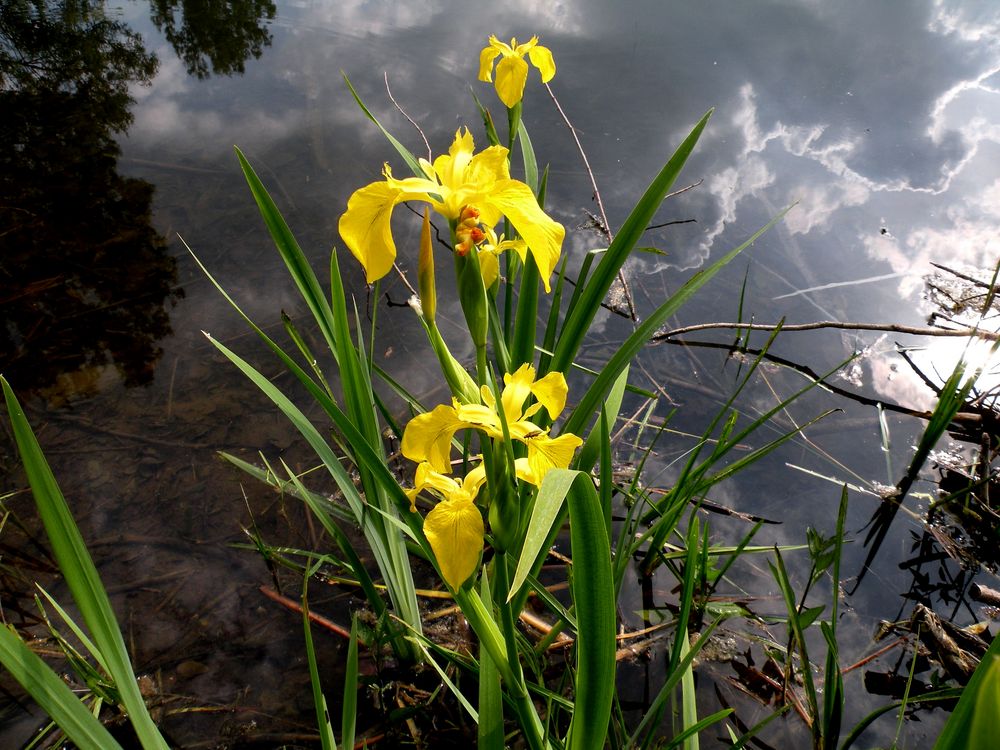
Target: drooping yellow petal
(541, 58)
(543, 234)
(512, 74)
(366, 226)
(427, 437)
(546, 453)
(367, 231)
(551, 392)
(486, 58)
(454, 529)
(523, 471)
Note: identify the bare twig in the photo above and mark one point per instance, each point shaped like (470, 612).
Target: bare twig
(405, 280)
(586, 164)
(891, 327)
(409, 119)
(672, 223)
(605, 226)
(871, 657)
(971, 279)
(296, 607)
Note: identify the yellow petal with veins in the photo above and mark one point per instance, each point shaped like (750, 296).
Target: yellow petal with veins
(546, 453)
(543, 235)
(454, 529)
(367, 231)
(541, 58)
(427, 437)
(551, 392)
(512, 74)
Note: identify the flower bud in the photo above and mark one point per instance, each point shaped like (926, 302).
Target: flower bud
(425, 272)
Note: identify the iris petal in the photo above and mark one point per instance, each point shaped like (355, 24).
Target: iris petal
(541, 58)
(454, 529)
(366, 228)
(516, 389)
(543, 235)
(486, 58)
(546, 453)
(551, 392)
(512, 73)
(428, 436)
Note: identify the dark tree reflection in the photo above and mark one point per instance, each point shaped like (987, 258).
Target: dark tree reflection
(84, 277)
(214, 36)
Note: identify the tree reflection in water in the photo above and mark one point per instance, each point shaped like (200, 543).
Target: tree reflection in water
(85, 279)
(211, 36)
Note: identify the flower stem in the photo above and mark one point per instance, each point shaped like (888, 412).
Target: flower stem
(531, 725)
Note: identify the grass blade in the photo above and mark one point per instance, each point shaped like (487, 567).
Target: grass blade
(593, 599)
(349, 714)
(80, 573)
(53, 695)
(490, 730)
(972, 725)
(319, 700)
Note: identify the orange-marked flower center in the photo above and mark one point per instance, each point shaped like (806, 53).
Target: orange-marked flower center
(468, 231)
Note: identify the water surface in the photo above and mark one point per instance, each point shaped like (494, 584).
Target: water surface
(881, 122)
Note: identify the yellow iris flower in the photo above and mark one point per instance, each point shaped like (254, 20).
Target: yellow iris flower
(455, 181)
(512, 70)
(454, 527)
(428, 436)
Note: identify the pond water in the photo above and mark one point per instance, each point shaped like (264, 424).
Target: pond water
(880, 121)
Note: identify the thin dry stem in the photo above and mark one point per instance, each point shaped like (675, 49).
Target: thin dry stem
(408, 118)
(604, 225)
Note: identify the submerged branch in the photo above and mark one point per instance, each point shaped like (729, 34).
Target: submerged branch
(891, 327)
